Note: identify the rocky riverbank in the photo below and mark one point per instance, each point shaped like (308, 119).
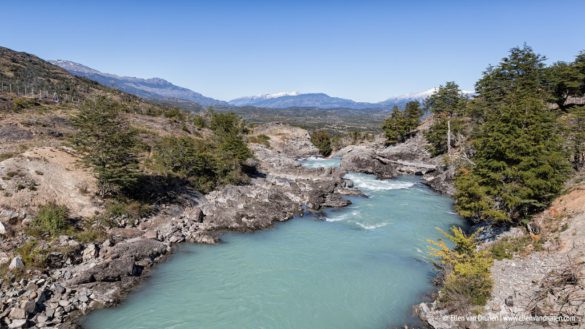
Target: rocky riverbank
(540, 287)
(408, 158)
(545, 279)
(85, 276)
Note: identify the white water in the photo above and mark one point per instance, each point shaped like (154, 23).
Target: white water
(364, 267)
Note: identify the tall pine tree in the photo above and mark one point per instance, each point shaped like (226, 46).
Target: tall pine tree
(395, 126)
(519, 165)
(107, 143)
(448, 106)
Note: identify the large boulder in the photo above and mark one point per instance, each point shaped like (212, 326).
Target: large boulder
(125, 259)
(364, 159)
(247, 208)
(292, 141)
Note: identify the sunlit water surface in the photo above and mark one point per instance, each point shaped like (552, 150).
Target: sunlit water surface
(364, 267)
(316, 162)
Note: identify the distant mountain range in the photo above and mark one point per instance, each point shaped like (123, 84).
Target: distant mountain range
(162, 90)
(154, 88)
(324, 101)
(295, 99)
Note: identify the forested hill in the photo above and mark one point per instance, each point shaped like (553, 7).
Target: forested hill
(25, 74)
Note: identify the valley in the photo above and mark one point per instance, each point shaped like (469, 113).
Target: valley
(135, 203)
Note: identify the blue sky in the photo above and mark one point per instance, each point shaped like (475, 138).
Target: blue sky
(364, 50)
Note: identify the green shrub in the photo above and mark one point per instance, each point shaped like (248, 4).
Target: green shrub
(32, 255)
(466, 271)
(199, 121)
(129, 209)
(205, 164)
(260, 139)
(400, 125)
(507, 247)
(175, 114)
(232, 147)
(322, 140)
(92, 230)
(226, 124)
(52, 220)
(24, 103)
(5, 156)
(91, 234)
(35, 254)
(503, 249)
(186, 158)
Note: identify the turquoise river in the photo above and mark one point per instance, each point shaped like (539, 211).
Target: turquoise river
(364, 266)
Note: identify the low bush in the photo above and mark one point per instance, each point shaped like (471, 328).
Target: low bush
(175, 114)
(322, 140)
(52, 220)
(466, 271)
(32, 255)
(186, 158)
(92, 231)
(260, 139)
(5, 156)
(22, 103)
(199, 121)
(128, 209)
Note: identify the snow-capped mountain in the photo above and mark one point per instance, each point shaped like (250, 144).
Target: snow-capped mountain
(162, 90)
(153, 88)
(401, 100)
(321, 100)
(418, 95)
(296, 99)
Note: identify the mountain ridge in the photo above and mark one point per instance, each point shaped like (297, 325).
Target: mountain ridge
(162, 90)
(151, 88)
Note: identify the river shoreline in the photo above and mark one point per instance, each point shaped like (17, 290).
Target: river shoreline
(314, 251)
(102, 275)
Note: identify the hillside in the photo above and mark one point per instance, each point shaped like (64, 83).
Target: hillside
(154, 88)
(97, 186)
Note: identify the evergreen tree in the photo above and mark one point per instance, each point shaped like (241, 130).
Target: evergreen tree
(394, 126)
(564, 80)
(228, 129)
(412, 113)
(448, 106)
(576, 136)
(519, 164)
(107, 143)
(522, 70)
(231, 149)
(401, 124)
(186, 158)
(579, 65)
(437, 134)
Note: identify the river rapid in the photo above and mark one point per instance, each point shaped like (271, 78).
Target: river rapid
(363, 266)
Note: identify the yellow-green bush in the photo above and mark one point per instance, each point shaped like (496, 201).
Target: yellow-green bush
(466, 271)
